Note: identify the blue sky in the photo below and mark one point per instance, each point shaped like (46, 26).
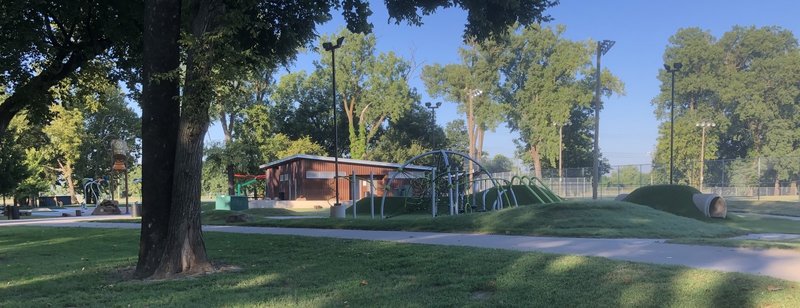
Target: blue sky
(641, 29)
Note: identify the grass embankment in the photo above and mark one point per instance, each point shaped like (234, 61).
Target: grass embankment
(595, 219)
(42, 267)
(675, 199)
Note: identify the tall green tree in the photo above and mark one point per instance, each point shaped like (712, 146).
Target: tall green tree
(111, 119)
(372, 87)
(456, 135)
(472, 85)
(47, 42)
(546, 78)
(745, 82)
(220, 35)
(301, 106)
(66, 133)
(412, 134)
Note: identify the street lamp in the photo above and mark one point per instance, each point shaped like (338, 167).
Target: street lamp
(602, 47)
(433, 107)
(332, 48)
(675, 67)
(703, 125)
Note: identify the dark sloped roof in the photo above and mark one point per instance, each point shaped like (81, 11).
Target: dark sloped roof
(342, 160)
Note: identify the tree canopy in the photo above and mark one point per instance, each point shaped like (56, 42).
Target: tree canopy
(746, 83)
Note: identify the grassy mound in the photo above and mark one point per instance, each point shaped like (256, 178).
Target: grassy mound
(675, 199)
(393, 206)
(580, 219)
(523, 194)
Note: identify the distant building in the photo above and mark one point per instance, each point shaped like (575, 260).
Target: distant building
(311, 177)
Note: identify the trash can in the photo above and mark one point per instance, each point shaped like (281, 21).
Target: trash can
(12, 212)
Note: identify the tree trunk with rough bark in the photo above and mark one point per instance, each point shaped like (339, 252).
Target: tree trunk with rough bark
(185, 251)
(537, 161)
(231, 185)
(777, 187)
(160, 117)
(67, 170)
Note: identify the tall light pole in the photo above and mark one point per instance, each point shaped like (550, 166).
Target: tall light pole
(602, 47)
(433, 107)
(703, 125)
(332, 48)
(675, 67)
(561, 153)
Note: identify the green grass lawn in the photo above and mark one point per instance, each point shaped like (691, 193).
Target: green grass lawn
(771, 207)
(582, 219)
(65, 267)
(756, 244)
(751, 224)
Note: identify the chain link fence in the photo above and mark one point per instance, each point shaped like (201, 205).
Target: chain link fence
(739, 178)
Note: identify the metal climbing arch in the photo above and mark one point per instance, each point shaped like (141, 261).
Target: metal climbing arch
(457, 179)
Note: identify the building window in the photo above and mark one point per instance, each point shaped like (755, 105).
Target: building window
(323, 174)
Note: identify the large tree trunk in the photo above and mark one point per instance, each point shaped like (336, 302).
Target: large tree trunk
(67, 170)
(537, 161)
(227, 131)
(479, 148)
(160, 116)
(231, 185)
(185, 251)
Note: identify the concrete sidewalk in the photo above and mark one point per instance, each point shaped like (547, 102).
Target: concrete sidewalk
(784, 264)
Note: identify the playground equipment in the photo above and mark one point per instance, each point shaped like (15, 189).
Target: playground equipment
(251, 179)
(91, 190)
(454, 177)
(238, 202)
(680, 200)
(534, 188)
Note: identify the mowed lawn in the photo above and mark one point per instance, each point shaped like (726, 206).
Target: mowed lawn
(770, 206)
(72, 267)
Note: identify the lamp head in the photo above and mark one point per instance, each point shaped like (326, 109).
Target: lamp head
(677, 65)
(328, 46)
(666, 67)
(428, 104)
(339, 41)
(605, 46)
(438, 104)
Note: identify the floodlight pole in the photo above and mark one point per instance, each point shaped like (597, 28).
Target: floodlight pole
(332, 48)
(675, 67)
(433, 107)
(602, 47)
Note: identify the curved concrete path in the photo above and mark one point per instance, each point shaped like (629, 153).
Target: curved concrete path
(784, 264)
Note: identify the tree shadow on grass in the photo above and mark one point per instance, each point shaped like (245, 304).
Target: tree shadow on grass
(298, 271)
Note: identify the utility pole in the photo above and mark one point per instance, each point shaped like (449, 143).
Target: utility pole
(703, 125)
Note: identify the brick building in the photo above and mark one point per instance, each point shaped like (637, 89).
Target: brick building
(311, 177)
